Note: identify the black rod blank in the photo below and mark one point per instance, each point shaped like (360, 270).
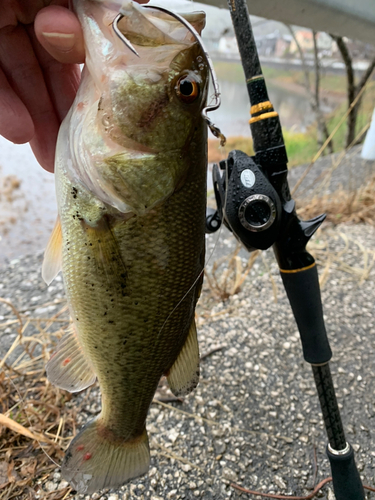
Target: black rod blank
(245, 38)
(265, 124)
(329, 406)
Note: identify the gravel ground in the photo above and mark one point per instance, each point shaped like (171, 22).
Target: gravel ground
(255, 418)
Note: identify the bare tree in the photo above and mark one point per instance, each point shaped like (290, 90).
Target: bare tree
(352, 89)
(314, 94)
(323, 133)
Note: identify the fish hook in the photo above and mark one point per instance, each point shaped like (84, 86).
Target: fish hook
(215, 130)
(121, 35)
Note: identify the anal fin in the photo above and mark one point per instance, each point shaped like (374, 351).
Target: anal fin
(183, 377)
(68, 367)
(52, 261)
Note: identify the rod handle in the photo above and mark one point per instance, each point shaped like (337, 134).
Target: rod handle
(302, 288)
(347, 484)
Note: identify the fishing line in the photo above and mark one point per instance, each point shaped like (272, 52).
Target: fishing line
(212, 106)
(205, 264)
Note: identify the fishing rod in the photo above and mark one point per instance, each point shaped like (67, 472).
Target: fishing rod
(254, 202)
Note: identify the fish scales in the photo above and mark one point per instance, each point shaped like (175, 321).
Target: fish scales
(130, 169)
(121, 321)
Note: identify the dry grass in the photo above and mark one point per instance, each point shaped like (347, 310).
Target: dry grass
(216, 153)
(35, 424)
(228, 274)
(343, 206)
(330, 261)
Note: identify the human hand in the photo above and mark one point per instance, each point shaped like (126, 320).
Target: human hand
(40, 49)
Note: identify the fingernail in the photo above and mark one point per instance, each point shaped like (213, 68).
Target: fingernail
(61, 41)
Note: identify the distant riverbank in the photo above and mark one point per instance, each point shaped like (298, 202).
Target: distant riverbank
(332, 84)
(289, 97)
(329, 66)
(287, 93)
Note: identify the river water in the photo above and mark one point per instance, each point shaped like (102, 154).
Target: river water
(294, 109)
(27, 194)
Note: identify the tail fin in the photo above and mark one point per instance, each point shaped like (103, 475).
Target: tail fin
(95, 460)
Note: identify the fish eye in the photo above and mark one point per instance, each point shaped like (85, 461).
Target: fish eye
(187, 89)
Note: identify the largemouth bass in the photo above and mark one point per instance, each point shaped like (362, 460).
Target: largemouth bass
(131, 189)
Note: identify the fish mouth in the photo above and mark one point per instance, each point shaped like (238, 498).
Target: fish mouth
(149, 27)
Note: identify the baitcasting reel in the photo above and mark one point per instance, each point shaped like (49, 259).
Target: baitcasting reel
(247, 202)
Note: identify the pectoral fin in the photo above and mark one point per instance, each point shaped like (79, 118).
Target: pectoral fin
(183, 377)
(53, 255)
(68, 367)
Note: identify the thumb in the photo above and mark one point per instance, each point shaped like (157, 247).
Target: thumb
(59, 32)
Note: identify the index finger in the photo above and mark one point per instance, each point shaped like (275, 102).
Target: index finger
(23, 73)
(16, 124)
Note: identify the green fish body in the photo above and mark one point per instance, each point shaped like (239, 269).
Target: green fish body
(131, 189)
